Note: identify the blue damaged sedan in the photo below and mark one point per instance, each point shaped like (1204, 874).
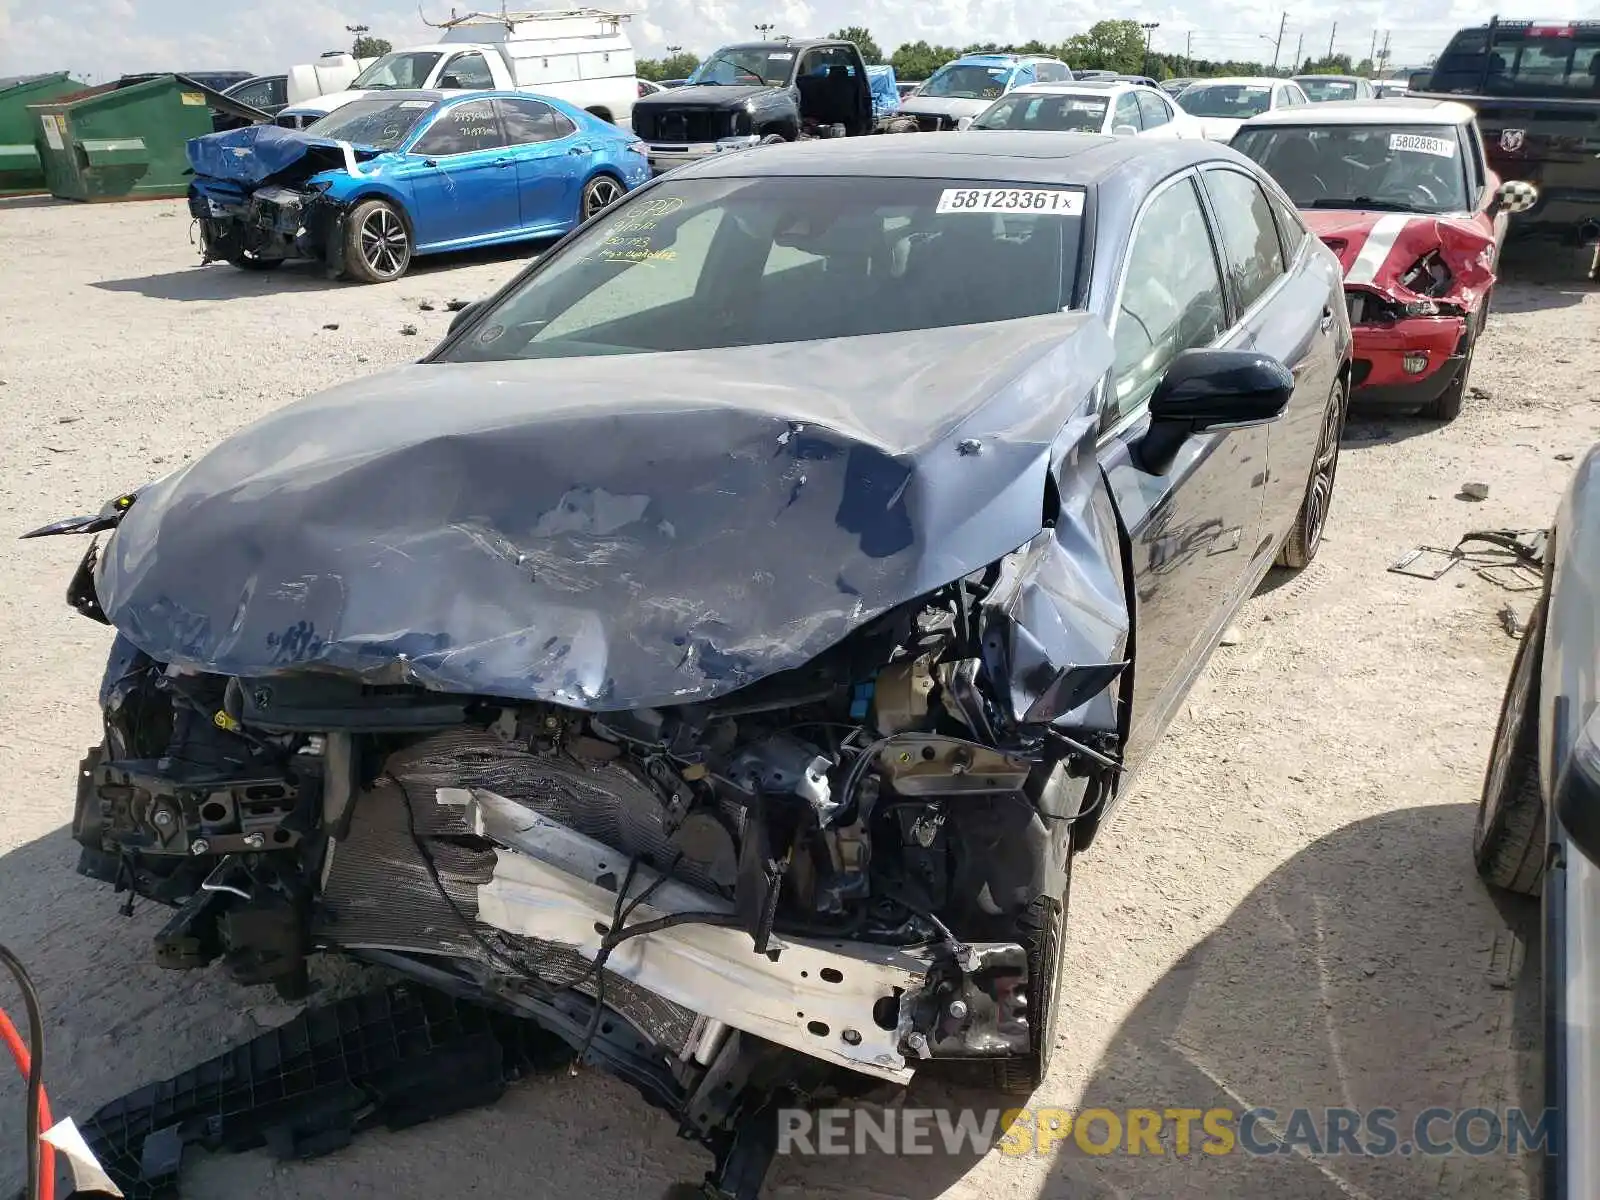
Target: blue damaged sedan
(380, 181)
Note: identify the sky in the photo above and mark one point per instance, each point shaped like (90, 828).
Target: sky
(102, 39)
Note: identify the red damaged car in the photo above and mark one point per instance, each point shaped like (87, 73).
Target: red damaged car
(1402, 192)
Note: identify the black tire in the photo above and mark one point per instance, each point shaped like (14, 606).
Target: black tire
(248, 262)
(377, 242)
(599, 193)
(1508, 838)
(1448, 406)
(1039, 929)
(1304, 539)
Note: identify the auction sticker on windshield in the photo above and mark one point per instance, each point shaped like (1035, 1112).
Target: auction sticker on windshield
(1061, 202)
(1418, 144)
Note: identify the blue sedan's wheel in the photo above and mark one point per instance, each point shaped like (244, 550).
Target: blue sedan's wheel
(377, 245)
(600, 192)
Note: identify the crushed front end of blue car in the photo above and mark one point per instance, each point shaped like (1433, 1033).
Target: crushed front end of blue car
(263, 194)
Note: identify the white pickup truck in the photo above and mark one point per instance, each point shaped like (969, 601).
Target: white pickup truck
(577, 55)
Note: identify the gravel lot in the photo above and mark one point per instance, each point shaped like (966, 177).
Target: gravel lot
(1284, 915)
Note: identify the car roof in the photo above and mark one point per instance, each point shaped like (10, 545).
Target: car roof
(1079, 87)
(1002, 155)
(1236, 80)
(1405, 111)
(790, 44)
(1329, 78)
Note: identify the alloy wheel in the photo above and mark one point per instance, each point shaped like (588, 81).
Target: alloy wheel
(383, 242)
(1320, 498)
(601, 193)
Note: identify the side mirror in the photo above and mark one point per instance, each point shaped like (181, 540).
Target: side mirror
(964, 123)
(1124, 131)
(1514, 196)
(464, 315)
(1577, 798)
(1419, 81)
(1211, 389)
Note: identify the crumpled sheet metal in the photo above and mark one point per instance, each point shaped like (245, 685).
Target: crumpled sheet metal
(1390, 246)
(259, 152)
(617, 532)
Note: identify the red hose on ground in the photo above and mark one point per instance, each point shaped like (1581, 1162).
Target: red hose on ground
(24, 1061)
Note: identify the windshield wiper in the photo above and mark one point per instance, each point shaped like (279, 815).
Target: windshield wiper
(1363, 202)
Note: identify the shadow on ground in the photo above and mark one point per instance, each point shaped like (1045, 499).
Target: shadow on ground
(219, 281)
(1367, 971)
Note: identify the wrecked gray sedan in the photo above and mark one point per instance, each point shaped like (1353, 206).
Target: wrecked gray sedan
(717, 649)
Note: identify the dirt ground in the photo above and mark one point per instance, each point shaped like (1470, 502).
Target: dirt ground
(1285, 914)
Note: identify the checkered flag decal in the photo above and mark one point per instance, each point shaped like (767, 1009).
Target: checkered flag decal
(1517, 196)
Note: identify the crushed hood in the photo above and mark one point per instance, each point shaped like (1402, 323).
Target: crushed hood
(259, 152)
(1375, 249)
(606, 532)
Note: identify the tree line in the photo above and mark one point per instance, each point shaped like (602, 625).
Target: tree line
(1106, 46)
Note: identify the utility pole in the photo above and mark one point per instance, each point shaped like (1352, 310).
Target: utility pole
(1149, 28)
(764, 29)
(1332, 33)
(1188, 53)
(1277, 46)
(356, 31)
(674, 49)
(1299, 48)
(1383, 55)
(1372, 54)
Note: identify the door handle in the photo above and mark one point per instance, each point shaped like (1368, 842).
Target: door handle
(502, 163)
(579, 150)
(1327, 320)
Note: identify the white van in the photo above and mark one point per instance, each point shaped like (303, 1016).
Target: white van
(577, 55)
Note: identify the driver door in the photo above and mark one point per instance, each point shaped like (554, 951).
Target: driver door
(463, 178)
(1194, 527)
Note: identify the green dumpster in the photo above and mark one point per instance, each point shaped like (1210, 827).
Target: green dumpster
(20, 171)
(126, 140)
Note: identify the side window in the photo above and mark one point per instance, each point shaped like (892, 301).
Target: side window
(1171, 297)
(1477, 173)
(1154, 110)
(461, 129)
(1291, 229)
(1127, 111)
(1280, 97)
(467, 71)
(258, 95)
(1051, 72)
(1249, 233)
(528, 121)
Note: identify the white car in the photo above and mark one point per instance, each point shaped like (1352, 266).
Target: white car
(1094, 106)
(1222, 105)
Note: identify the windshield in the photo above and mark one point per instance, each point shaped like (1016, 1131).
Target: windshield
(1326, 88)
(958, 81)
(1394, 168)
(1529, 61)
(404, 69)
(705, 264)
(752, 66)
(381, 124)
(1235, 101)
(1024, 111)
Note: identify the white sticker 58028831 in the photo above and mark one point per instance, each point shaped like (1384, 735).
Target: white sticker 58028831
(1419, 144)
(1059, 202)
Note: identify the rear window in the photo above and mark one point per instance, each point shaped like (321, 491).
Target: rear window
(1522, 60)
(1231, 100)
(1085, 114)
(702, 264)
(967, 81)
(1327, 89)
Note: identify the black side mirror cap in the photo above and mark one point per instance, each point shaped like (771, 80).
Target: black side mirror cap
(464, 315)
(1211, 389)
(1577, 795)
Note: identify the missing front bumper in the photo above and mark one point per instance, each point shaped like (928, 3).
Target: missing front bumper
(850, 1004)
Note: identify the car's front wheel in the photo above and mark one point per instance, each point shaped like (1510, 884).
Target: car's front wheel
(599, 193)
(1508, 838)
(1448, 406)
(1040, 930)
(1300, 547)
(377, 244)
